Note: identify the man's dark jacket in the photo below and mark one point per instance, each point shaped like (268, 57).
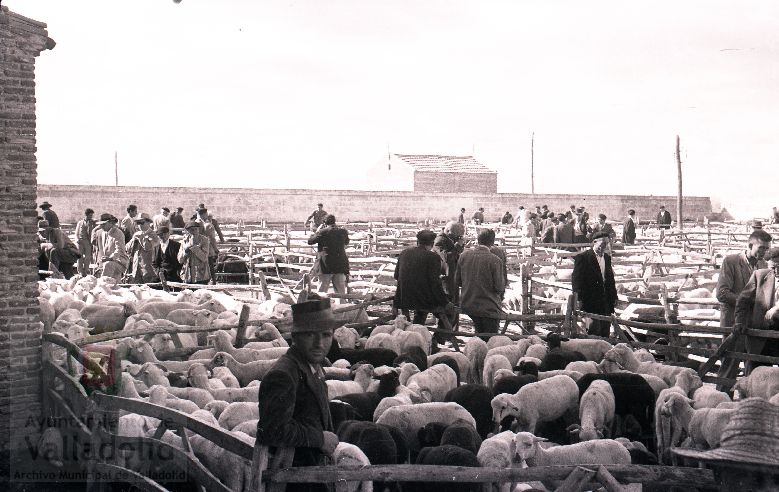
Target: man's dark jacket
(294, 409)
(168, 261)
(449, 251)
(596, 296)
(629, 231)
(331, 242)
(418, 273)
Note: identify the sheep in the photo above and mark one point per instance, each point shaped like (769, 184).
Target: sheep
(538, 351)
(409, 418)
(405, 339)
(198, 396)
(596, 411)
(491, 365)
(222, 343)
(415, 355)
(151, 374)
(383, 340)
(278, 342)
(536, 402)
(476, 350)
(406, 371)
(216, 407)
(763, 383)
(774, 400)
(365, 404)
(558, 358)
(666, 433)
(597, 452)
(244, 372)
(238, 412)
(592, 349)
(708, 396)
(376, 356)
(107, 317)
(511, 383)
(463, 363)
(704, 426)
(497, 451)
(424, 333)
(527, 358)
(226, 377)
(373, 439)
(161, 310)
(346, 337)
(349, 455)
(462, 435)
(447, 360)
(434, 381)
(194, 377)
(498, 340)
(198, 378)
(476, 399)
(232, 470)
(657, 384)
(624, 356)
(561, 372)
(159, 395)
(512, 353)
(584, 367)
(362, 378)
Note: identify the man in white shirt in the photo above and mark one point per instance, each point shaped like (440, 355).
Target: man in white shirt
(165, 262)
(161, 219)
(593, 282)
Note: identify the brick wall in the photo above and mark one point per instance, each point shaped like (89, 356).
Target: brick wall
(456, 182)
(231, 204)
(21, 40)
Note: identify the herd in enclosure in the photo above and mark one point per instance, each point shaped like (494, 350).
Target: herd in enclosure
(667, 303)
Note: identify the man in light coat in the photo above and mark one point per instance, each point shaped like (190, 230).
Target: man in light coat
(111, 245)
(84, 229)
(480, 273)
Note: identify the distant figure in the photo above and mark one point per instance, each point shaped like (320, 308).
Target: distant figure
(480, 273)
(663, 218)
(449, 245)
(564, 230)
(775, 216)
(57, 251)
(112, 255)
(601, 225)
(141, 252)
(550, 219)
(50, 215)
(478, 216)
(581, 230)
(418, 274)
(162, 219)
(461, 217)
(593, 282)
(331, 242)
(84, 229)
(176, 219)
(165, 261)
(522, 216)
(549, 233)
(629, 228)
(507, 218)
(128, 225)
(316, 218)
(193, 255)
(207, 228)
(757, 225)
(571, 214)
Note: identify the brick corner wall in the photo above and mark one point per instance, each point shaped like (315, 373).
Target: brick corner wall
(21, 41)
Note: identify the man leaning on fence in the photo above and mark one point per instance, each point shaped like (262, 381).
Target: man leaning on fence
(734, 275)
(294, 408)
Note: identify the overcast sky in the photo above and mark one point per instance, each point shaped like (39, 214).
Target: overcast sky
(308, 94)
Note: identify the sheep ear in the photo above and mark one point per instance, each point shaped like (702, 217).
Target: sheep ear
(600, 434)
(161, 366)
(690, 400)
(539, 439)
(574, 428)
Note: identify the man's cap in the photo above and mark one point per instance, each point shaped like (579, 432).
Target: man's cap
(750, 437)
(600, 235)
(45, 205)
(163, 230)
(757, 224)
(580, 209)
(320, 204)
(165, 209)
(481, 209)
(180, 209)
(602, 216)
(313, 316)
(662, 206)
(105, 218)
(144, 217)
(631, 212)
(202, 210)
(43, 225)
(88, 211)
(772, 254)
(426, 236)
(192, 225)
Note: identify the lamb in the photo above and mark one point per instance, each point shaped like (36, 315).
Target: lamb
(410, 418)
(667, 434)
(374, 440)
(537, 402)
(362, 378)
(238, 412)
(476, 350)
(407, 370)
(161, 310)
(349, 455)
(491, 365)
(406, 339)
(704, 426)
(624, 356)
(244, 372)
(498, 340)
(198, 378)
(527, 358)
(584, 367)
(592, 349)
(107, 317)
(497, 451)
(198, 396)
(434, 381)
(232, 470)
(224, 375)
(763, 383)
(597, 452)
(365, 404)
(512, 352)
(222, 343)
(383, 340)
(216, 407)
(708, 396)
(476, 399)
(558, 358)
(537, 350)
(151, 374)
(596, 411)
(425, 334)
(159, 395)
(463, 363)
(195, 378)
(346, 337)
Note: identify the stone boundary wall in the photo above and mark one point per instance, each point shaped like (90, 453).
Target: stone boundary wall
(251, 205)
(21, 40)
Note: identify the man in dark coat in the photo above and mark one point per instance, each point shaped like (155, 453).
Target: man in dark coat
(165, 261)
(331, 242)
(629, 228)
(418, 273)
(564, 231)
(50, 215)
(593, 282)
(293, 403)
(176, 219)
(449, 245)
(663, 218)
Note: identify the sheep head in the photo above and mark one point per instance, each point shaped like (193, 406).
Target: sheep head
(688, 380)
(523, 446)
(222, 359)
(503, 406)
(623, 356)
(675, 403)
(585, 433)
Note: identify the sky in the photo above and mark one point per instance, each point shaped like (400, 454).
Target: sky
(310, 94)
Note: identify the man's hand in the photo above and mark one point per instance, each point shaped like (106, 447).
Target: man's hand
(330, 442)
(771, 313)
(739, 329)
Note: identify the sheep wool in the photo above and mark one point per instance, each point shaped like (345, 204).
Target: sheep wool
(410, 418)
(544, 401)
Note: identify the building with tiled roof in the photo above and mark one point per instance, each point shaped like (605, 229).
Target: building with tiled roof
(436, 173)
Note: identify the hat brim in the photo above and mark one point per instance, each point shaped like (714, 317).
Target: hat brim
(728, 456)
(319, 326)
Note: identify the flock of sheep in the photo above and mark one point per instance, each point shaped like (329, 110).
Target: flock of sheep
(498, 403)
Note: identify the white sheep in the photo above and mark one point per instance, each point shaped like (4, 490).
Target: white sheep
(433, 383)
(584, 367)
(346, 337)
(238, 412)
(704, 426)
(406, 339)
(463, 363)
(596, 411)
(498, 452)
(707, 396)
(537, 350)
(383, 340)
(410, 418)
(763, 383)
(350, 456)
(491, 366)
(512, 352)
(542, 401)
(592, 350)
(362, 379)
(597, 452)
(476, 350)
(667, 429)
(498, 340)
(407, 369)
(575, 375)
(623, 355)
(424, 332)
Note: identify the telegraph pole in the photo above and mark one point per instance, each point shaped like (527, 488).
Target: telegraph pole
(679, 183)
(116, 168)
(532, 164)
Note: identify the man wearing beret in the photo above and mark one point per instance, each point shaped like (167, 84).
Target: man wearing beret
(593, 282)
(757, 307)
(293, 403)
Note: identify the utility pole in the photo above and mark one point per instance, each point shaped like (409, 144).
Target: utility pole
(116, 168)
(532, 165)
(679, 183)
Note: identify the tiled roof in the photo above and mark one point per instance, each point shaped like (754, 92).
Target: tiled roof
(444, 163)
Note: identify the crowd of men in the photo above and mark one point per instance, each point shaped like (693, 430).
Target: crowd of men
(135, 249)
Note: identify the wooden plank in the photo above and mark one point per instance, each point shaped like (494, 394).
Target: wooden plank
(75, 351)
(114, 473)
(576, 480)
(243, 317)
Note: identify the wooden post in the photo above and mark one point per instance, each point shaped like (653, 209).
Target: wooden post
(251, 259)
(679, 182)
(532, 164)
(672, 338)
(240, 335)
(526, 295)
(286, 236)
(570, 315)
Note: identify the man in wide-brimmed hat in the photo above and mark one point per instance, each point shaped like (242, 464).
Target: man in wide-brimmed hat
(49, 215)
(748, 454)
(193, 255)
(141, 250)
(57, 251)
(294, 407)
(112, 255)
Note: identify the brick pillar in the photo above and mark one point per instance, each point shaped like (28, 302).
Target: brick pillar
(21, 40)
